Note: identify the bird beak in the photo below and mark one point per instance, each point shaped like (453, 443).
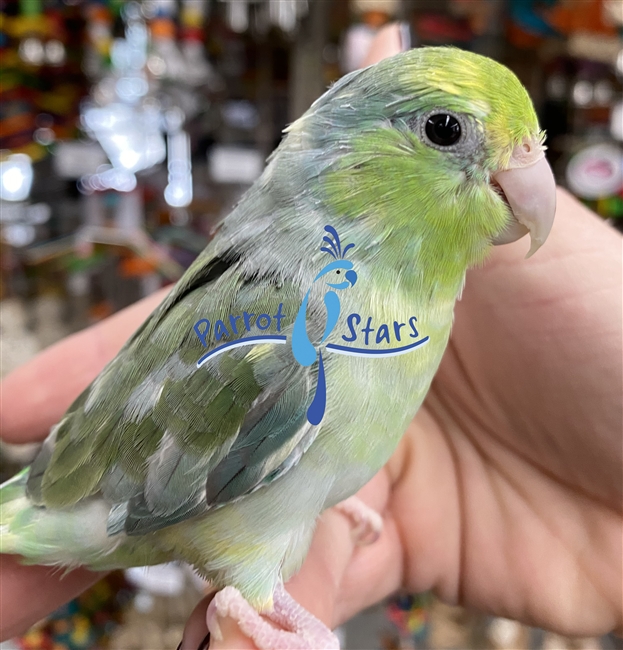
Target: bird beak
(530, 191)
(351, 276)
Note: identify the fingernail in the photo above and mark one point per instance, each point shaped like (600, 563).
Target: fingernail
(205, 643)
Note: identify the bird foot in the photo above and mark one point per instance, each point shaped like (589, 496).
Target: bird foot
(302, 630)
(367, 522)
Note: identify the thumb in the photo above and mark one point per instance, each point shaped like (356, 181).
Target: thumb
(386, 43)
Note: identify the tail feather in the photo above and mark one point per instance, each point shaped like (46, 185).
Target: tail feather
(13, 504)
(52, 536)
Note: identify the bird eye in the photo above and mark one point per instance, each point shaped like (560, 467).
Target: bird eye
(443, 129)
(338, 272)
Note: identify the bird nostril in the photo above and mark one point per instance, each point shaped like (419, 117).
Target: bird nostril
(525, 153)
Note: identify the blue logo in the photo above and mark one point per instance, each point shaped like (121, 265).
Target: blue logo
(338, 275)
(302, 348)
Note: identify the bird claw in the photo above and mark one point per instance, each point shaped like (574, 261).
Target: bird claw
(367, 522)
(303, 631)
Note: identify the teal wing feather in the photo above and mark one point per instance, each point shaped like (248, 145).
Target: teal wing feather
(163, 440)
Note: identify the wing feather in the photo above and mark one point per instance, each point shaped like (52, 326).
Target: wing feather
(162, 440)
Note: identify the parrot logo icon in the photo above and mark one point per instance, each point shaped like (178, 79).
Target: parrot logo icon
(337, 275)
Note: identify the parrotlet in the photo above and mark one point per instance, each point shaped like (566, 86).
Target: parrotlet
(197, 443)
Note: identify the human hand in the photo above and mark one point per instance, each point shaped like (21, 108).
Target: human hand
(505, 493)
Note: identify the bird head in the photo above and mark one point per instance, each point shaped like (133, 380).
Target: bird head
(440, 141)
(338, 274)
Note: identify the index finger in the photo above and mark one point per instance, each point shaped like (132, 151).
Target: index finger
(35, 395)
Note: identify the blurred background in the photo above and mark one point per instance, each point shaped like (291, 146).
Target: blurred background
(129, 129)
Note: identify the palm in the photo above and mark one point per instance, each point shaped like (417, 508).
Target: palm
(506, 492)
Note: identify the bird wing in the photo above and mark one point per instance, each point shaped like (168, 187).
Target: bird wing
(162, 439)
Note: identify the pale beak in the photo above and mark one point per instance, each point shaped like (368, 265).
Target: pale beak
(530, 190)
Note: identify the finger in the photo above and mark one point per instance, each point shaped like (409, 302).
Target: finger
(196, 632)
(385, 44)
(196, 628)
(375, 572)
(36, 395)
(317, 585)
(29, 593)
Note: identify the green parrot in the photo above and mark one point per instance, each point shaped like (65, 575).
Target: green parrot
(195, 442)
